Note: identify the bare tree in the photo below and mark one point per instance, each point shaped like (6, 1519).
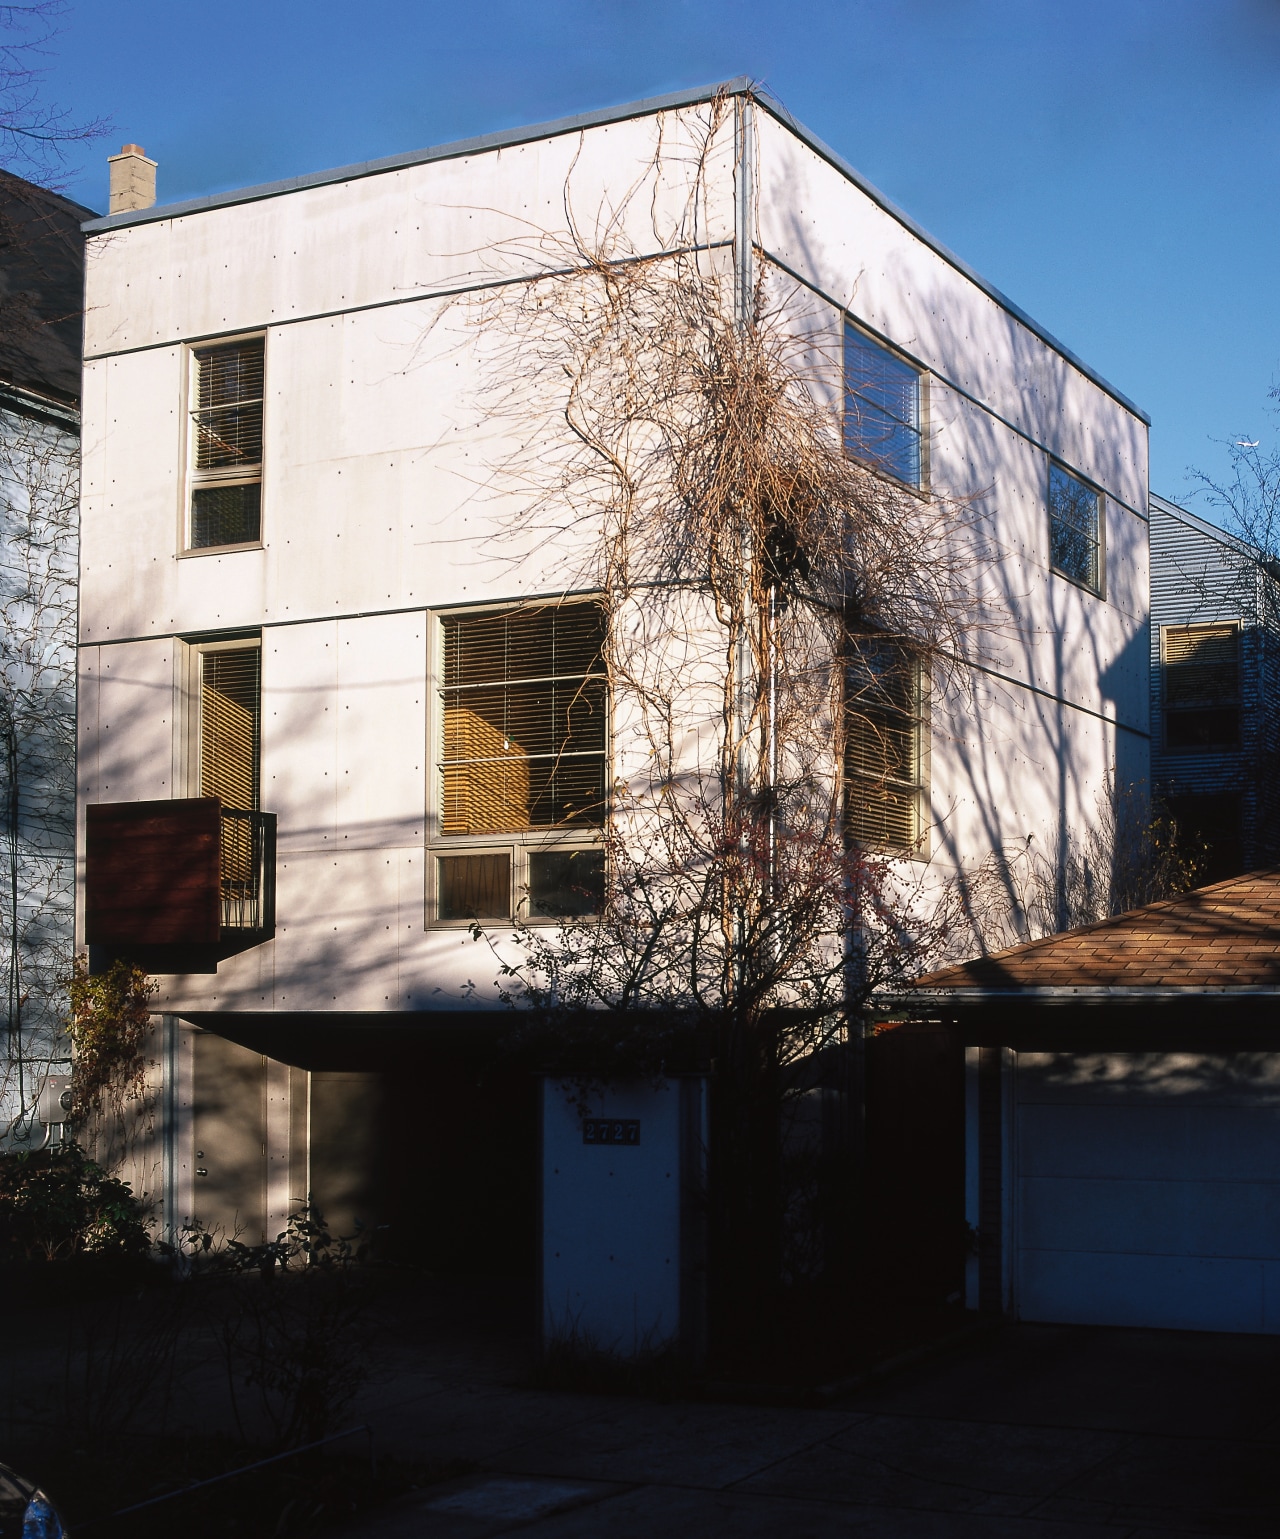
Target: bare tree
(35, 135)
(1246, 583)
(1133, 853)
(775, 608)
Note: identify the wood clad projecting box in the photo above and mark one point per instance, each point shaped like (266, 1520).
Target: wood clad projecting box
(153, 873)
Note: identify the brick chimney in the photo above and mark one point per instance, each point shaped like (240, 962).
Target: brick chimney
(133, 180)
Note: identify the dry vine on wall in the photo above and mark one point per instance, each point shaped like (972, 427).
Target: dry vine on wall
(766, 594)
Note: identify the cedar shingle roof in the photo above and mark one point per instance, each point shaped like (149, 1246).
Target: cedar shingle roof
(1217, 938)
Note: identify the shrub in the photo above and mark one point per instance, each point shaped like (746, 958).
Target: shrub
(56, 1205)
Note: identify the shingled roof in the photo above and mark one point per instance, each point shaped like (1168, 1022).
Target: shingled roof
(1219, 939)
(41, 289)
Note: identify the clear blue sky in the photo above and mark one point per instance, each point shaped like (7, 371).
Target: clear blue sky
(1112, 165)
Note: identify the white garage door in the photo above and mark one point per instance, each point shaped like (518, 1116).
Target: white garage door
(1148, 1190)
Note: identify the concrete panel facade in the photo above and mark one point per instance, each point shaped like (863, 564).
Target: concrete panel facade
(385, 500)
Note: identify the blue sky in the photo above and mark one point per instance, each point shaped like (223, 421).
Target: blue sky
(1112, 165)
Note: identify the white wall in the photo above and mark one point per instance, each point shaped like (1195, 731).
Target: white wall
(611, 1221)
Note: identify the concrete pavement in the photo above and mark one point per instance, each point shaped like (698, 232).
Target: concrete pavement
(1032, 1432)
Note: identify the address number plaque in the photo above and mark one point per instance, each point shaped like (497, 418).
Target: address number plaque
(611, 1130)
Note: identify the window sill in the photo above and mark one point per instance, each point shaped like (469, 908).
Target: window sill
(1055, 571)
(221, 550)
(921, 491)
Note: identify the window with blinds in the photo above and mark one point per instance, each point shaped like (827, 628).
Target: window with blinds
(884, 747)
(1074, 524)
(881, 408)
(230, 726)
(226, 438)
(1201, 671)
(525, 708)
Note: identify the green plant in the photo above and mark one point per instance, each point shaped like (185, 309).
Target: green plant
(291, 1322)
(57, 1204)
(110, 1024)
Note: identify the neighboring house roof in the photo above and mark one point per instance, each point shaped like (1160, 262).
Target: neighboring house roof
(41, 289)
(1224, 938)
(740, 86)
(1201, 525)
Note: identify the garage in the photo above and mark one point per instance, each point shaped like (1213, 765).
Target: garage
(1147, 1189)
(1122, 1116)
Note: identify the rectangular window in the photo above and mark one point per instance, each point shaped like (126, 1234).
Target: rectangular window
(1201, 669)
(229, 758)
(885, 746)
(226, 444)
(525, 715)
(524, 709)
(881, 408)
(230, 725)
(1074, 525)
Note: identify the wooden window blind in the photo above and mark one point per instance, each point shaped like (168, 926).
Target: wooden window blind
(525, 705)
(883, 746)
(1201, 664)
(226, 494)
(231, 726)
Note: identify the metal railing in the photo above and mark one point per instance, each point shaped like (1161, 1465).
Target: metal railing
(248, 870)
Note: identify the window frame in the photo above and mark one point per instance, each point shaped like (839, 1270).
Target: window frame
(1236, 626)
(519, 845)
(192, 479)
(1099, 585)
(920, 427)
(919, 789)
(195, 649)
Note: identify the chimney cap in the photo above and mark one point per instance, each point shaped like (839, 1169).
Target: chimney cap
(132, 149)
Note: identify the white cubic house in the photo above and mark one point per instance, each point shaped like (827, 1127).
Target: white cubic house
(322, 685)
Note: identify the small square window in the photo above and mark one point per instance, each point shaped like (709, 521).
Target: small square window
(881, 408)
(1074, 524)
(473, 886)
(565, 884)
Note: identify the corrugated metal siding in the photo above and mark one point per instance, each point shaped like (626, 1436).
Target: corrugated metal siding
(1200, 574)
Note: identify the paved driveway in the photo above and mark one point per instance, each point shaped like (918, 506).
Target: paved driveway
(1034, 1432)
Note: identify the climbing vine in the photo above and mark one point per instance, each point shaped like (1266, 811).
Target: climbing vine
(110, 1026)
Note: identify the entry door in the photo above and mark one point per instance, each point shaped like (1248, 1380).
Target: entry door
(1147, 1189)
(249, 1139)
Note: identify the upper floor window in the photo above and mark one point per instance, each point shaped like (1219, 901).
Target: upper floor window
(229, 756)
(1201, 669)
(226, 444)
(881, 408)
(1075, 520)
(230, 724)
(524, 705)
(885, 747)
